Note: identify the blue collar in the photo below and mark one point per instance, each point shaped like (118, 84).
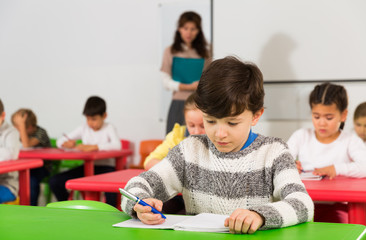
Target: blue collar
(252, 136)
(186, 134)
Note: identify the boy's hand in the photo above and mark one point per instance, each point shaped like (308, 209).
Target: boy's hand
(87, 148)
(326, 171)
(69, 144)
(19, 120)
(144, 212)
(244, 221)
(298, 166)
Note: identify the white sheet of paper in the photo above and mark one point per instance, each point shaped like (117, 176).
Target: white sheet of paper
(204, 222)
(310, 176)
(169, 223)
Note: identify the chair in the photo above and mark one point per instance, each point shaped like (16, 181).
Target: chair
(83, 204)
(146, 147)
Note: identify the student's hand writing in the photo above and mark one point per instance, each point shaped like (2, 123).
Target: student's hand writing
(144, 212)
(244, 221)
(298, 166)
(326, 171)
(87, 148)
(69, 144)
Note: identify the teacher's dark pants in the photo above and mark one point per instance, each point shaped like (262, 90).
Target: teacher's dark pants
(175, 114)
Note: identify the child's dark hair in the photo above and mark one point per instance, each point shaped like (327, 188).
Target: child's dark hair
(95, 106)
(1, 107)
(327, 94)
(199, 43)
(31, 120)
(228, 87)
(360, 111)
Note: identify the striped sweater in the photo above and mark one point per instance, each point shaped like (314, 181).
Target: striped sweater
(262, 178)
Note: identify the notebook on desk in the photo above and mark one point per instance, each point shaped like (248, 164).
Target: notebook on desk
(204, 222)
(308, 175)
(187, 70)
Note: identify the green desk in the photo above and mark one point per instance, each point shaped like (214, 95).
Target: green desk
(28, 222)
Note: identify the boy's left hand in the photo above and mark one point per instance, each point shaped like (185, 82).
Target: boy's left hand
(244, 221)
(87, 148)
(326, 171)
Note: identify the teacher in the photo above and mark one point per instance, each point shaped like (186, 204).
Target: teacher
(183, 63)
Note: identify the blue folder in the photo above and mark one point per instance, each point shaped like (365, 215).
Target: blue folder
(187, 70)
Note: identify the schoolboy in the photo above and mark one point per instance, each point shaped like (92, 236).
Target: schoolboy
(32, 135)
(96, 135)
(9, 150)
(230, 170)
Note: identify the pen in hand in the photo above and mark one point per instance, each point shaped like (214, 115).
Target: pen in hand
(139, 201)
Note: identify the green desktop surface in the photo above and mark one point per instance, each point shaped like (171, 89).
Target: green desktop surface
(27, 222)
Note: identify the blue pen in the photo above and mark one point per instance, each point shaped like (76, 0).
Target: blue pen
(139, 201)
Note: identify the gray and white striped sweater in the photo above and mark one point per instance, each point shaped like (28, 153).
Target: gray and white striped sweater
(262, 178)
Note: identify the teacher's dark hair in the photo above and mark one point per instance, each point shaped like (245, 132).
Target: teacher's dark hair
(199, 43)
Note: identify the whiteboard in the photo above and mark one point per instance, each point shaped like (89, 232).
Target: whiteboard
(294, 40)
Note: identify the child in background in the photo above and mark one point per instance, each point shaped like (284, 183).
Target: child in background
(194, 126)
(96, 135)
(359, 121)
(32, 135)
(327, 150)
(231, 170)
(9, 150)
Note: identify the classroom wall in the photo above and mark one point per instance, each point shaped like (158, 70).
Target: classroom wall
(295, 41)
(55, 54)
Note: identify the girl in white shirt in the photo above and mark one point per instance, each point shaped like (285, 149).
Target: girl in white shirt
(327, 150)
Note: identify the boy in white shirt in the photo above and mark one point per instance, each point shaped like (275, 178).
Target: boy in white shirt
(96, 135)
(9, 150)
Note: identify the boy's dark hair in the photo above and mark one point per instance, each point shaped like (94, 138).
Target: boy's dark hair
(31, 120)
(228, 87)
(95, 106)
(1, 107)
(327, 94)
(360, 111)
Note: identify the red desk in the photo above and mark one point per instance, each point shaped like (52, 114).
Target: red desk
(106, 182)
(342, 189)
(22, 166)
(88, 157)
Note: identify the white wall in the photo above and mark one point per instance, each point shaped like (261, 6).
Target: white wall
(55, 54)
(295, 40)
